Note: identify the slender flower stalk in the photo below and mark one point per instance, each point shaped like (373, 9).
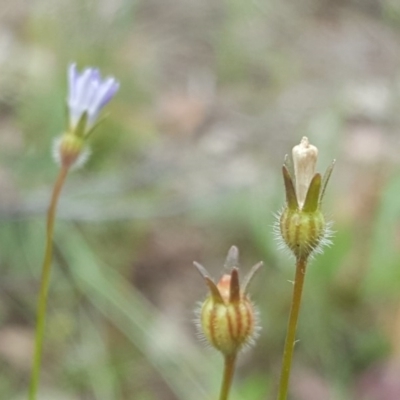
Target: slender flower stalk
(290, 340)
(304, 231)
(227, 318)
(88, 94)
(229, 370)
(44, 286)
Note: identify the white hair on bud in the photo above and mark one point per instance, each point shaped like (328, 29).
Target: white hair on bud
(84, 155)
(324, 241)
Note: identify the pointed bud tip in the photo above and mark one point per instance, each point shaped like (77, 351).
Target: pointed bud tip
(232, 259)
(305, 157)
(202, 271)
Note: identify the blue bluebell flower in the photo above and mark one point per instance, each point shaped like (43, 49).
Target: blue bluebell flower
(88, 93)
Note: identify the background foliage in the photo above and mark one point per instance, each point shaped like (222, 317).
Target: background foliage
(213, 95)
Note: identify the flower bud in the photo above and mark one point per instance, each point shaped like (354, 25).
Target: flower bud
(227, 317)
(302, 225)
(88, 94)
(304, 160)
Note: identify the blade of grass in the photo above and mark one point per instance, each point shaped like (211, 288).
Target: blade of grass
(135, 317)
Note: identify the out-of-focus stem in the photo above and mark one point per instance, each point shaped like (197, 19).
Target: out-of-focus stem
(301, 265)
(229, 369)
(44, 284)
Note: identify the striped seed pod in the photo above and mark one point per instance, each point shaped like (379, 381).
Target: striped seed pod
(227, 318)
(302, 232)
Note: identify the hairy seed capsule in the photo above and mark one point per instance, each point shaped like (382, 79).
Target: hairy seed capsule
(302, 231)
(227, 317)
(228, 325)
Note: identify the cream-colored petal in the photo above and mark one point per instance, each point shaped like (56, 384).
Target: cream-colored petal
(305, 157)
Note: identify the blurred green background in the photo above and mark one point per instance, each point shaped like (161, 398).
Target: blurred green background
(213, 95)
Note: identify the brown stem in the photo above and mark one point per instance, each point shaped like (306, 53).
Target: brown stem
(44, 284)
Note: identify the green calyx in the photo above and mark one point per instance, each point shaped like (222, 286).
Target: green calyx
(70, 149)
(316, 189)
(302, 231)
(303, 228)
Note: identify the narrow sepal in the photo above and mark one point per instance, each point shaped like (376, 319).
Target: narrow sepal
(99, 121)
(249, 277)
(291, 198)
(234, 291)
(215, 293)
(325, 180)
(312, 198)
(287, 162)
(203, 272)
(81, 126)
(211, 285)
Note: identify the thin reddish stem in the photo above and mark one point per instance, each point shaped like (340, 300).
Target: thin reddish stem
(44, 284)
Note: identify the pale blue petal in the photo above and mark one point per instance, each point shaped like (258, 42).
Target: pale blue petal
(105, 93)
(88, 93)
(72, 79)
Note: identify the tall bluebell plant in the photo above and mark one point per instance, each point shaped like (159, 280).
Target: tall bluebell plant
(88, 94)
